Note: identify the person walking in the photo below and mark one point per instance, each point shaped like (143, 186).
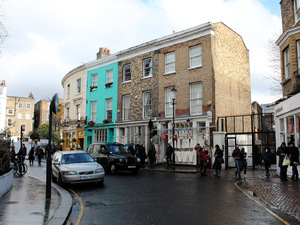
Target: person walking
(294, 156)
(22, 153)
(151, 154)
(203, 162)
(266, 159)
(31, 156)
(13, 154)
(282, 151)
(39, 153)
(197, 148)
(244, 163)
(218, 160)
(236, 154)
(169, 152)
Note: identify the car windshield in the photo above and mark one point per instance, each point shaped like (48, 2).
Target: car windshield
(117, 149)
(76, 158)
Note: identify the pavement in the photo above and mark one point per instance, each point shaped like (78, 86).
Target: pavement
(26, 202)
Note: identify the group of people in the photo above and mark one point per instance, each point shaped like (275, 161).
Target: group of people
(23, 152)
(240, 158)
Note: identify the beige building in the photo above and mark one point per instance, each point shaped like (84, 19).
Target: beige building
(41, 113)
(20, 112)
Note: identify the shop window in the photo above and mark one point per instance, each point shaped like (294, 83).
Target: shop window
(100, 135)
(282, 130)
(297, 138)
(290, 129)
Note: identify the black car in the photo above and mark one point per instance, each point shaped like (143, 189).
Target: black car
(114, 157)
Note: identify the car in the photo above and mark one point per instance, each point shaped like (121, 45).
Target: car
(114, 157)
(76, 167)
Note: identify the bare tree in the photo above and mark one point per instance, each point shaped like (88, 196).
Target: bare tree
(3, 31)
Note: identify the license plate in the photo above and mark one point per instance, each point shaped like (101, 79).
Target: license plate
(86, 177)
(131, 167)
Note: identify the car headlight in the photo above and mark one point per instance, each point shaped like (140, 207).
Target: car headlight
(69, 173)
(138, 159)
(100, 170)
(122, 160)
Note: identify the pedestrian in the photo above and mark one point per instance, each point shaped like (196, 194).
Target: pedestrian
(13, 154)
(31, 156)
(39, 153)
(151, 154)
(197, 148)
(218, 160)
(236, 154)
(143, 155)
(203, 162)
(22, 153)
(244, 157)
(282, 151)
(266, 159)
(294, 156)
(169, 152)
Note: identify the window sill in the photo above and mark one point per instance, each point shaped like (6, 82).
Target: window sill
(195, 67)
(125, 82)
(286, 80)
(150, 76)
(174, 72)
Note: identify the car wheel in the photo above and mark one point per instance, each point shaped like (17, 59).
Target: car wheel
(113, 169)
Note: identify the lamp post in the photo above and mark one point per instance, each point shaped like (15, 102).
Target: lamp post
(173, 96)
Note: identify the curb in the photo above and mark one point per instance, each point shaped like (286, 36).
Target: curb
(64, 208)
(170, 170)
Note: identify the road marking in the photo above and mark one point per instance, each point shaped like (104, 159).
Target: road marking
(81, 207)
(278, 217)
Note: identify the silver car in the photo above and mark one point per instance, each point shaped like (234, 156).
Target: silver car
(76, 167)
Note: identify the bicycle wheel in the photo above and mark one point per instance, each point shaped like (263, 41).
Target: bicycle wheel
(22, 169)
(15, 169)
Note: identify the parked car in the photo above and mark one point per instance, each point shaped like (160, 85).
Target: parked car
(114, 157)
(76, 167)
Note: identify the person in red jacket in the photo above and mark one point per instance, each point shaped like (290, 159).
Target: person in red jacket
(203, 162)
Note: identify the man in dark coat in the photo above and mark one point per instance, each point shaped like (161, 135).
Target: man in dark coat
(236, 154)
(294, 156)
(282, 151)
(22, 153)
(151, 154)
(169, 153)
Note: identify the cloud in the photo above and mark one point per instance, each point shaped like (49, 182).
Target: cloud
(50, 38)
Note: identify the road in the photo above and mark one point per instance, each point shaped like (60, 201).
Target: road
(168, 198)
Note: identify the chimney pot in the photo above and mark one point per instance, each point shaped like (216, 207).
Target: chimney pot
(105, 50)
(108, 51)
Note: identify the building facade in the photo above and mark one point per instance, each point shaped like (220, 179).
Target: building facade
(3, 99)
(287, 109)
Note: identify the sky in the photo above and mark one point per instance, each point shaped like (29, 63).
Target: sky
(49, 38)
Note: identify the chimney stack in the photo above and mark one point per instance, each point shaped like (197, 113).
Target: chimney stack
(103, 52)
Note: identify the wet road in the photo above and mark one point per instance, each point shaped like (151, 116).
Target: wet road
(169, 198)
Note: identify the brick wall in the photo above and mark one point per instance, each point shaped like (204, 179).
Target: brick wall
(287, 14)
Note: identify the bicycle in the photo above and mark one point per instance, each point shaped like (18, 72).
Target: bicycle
(20, 168)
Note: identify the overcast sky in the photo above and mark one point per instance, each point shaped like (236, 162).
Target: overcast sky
(48, 38)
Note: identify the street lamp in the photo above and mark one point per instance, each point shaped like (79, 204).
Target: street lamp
(173, 96)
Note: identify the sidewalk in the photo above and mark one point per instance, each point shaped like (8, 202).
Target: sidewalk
(284, 196)
(26, 202)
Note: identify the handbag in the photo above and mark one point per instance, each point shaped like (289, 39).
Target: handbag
(221, 160)
(286, 161)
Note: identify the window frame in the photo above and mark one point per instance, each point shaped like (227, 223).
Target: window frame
(150, 74)
(77, 111)
(20, 116)
(298, 54)
(109, 76)
(197, 98)
(28, 104)
(7, 122)
(95, 79)
(27, 116)
(169, 103)
(8, 112)
(297, 10)
(126, 73)
(108, 111)
(126, 107)
(78, 86)
(20, 105)
(167, 55)
(286, 63)
(68, 90)
(94, 111)
(147, 108)
(191, 57)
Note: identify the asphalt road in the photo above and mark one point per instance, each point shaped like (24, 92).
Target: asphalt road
(168, 198)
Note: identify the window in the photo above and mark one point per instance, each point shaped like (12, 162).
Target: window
(109, 108)
(126, 107)
(9, 122)
(100, 135)
(168, 102)
(147, 67)
(147, 104)
(195, 56)
(68, 91)
(20, 105)
(68, 112)
(286, 61)
(196, 98)
(28, 106)
(94, 111)
(297, 9)
(298, 55)
(78, 85)
(122, 132)
(127, 72)
(20, 116)
(77, 112)
(95, 79)
(170, 62)
(10, 112)
(28, 116)
(109, 76)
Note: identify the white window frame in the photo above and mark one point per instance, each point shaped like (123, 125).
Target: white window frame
(109, 76)
(28, 116)
(126, 67)
(195, 54)
(297, 10)
(168, 102)
(28, 106)
(100, 135)
(68, 112)
(78, 83)
(286, 62)
(94, 111)
(126, 107)
(195, 100)
(77, 111)
(95, 79)
(11, 123)
(147, 104)
(147, 67)
(20, 105)
(298, 54)
(170, 61)
(10, 110)
(108, 112)
(20, 116)
(68, 90)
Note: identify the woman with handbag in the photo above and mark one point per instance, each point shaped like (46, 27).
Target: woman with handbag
(218, 160)
(282, 152)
